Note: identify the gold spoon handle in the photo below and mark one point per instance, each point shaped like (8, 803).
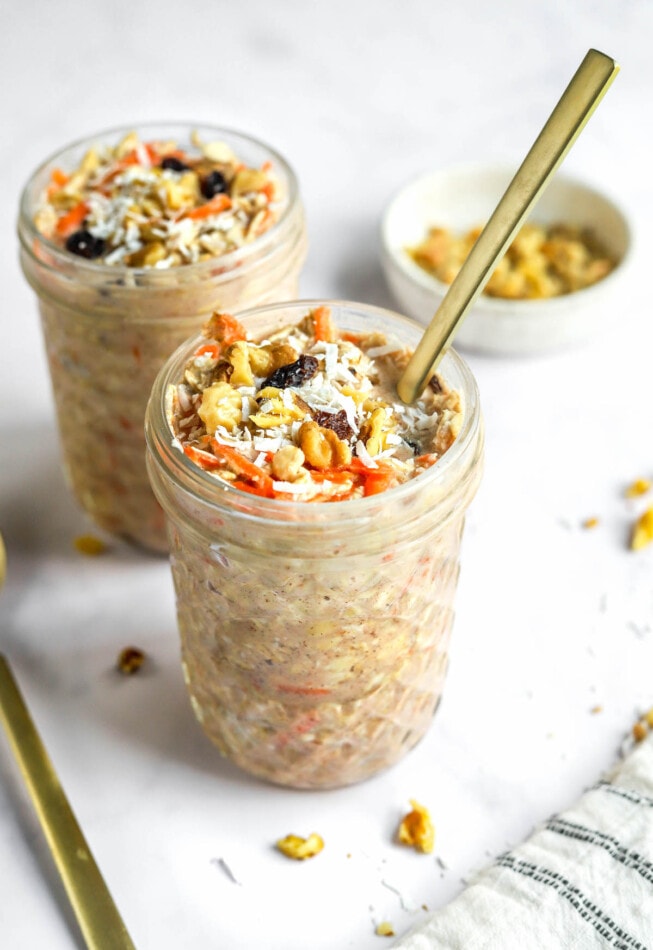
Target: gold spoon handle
(564, 125)
(96, 912)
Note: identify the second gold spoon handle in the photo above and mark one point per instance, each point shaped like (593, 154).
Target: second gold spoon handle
(98, 917)
(564, 125)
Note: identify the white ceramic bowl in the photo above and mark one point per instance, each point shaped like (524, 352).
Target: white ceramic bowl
(464, 197)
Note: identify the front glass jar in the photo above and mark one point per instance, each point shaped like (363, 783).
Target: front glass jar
(314, 636)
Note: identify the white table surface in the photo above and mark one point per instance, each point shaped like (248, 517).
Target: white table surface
(552, 619)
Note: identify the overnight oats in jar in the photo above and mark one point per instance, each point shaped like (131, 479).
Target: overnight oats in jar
(315, 523)
(131, 239)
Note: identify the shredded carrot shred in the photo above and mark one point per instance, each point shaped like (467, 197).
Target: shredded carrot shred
(225, 329)
(204, 459)
(212, 349)
(352, 337)
(70, 222)
(376, 483)
(59, 177)
(242, 466)
(303, 690)
(323, 328)
(214, 206)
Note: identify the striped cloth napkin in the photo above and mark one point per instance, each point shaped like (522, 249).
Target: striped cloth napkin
(582, 881)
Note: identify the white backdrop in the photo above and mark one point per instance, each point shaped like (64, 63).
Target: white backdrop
(552, 620)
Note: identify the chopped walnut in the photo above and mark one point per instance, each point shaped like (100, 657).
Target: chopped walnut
(642, 533)
(89, 545)
(639, 487)
(640, 731)
(221, 406)
(287, 463)
(322, 447)
(416, 829)
(385, 929)
(300, 848)
(130, 660)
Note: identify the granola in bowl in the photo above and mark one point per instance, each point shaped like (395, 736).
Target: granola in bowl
(543, 260)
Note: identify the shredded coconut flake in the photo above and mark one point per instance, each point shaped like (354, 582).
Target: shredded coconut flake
(364, 455)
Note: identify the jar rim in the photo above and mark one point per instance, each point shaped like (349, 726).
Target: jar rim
(190, 478)
(28, 232)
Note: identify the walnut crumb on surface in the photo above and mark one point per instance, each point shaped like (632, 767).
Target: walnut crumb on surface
(130, 660)
(642, 532)
(89, 545)
(639, 487)
(385, 929)
(416, 829)
(300, 848)
(640, 731)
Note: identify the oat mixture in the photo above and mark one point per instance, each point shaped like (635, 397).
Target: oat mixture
(154, 204)
(309, 414)
(542, 261)
(314, 601)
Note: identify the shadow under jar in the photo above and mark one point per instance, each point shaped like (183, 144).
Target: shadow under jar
(109, 327)
(315, 636)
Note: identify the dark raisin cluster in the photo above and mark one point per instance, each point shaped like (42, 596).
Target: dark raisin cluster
(84, 244)
(293, 374)
(337, 421)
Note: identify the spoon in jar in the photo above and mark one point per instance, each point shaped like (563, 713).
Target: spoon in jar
(568, 119)
(97, 915)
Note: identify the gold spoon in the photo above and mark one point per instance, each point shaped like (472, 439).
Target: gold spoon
(564, 125)
(97, 915)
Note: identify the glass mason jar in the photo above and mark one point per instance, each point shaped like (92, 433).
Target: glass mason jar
(109, 328)
(314, 637)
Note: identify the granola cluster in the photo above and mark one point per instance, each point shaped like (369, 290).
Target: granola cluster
(308, 414)
(542, 261)
(154, 204)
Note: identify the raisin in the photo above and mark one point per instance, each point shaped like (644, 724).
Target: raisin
(336, 421)
(174, 164)
(415, 446)
(213, 184)
(84, 244)
(435, 383)
(293, 374)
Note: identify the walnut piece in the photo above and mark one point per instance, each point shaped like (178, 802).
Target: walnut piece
(89, 545)
(322, 447)
(130, 660)
(416, 829)
(642, 533)
(385, 929)
(221, 406)
(287, 463)
(300, 848)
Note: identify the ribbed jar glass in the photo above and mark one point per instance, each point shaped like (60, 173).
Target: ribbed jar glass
(315, 636)
(109, 328)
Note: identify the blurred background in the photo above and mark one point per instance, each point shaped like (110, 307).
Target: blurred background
(360, 95)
